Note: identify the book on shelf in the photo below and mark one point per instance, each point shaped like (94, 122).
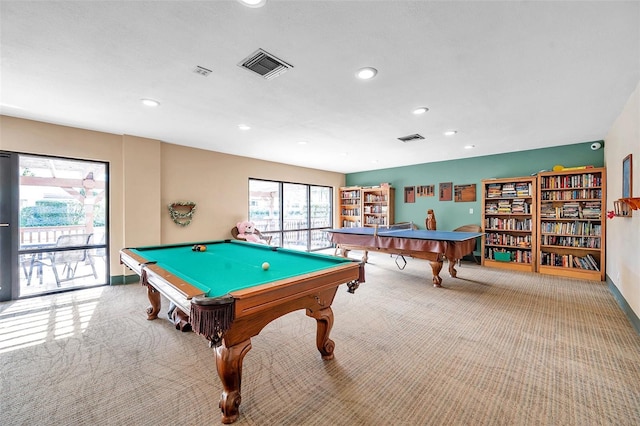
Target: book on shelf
(504, 206)
(509, 190)
(494, 190)
(523, 189)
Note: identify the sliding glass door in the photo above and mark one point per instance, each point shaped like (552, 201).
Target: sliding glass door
(59, 231)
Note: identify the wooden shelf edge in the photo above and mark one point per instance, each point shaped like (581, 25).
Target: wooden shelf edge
(514, 266)
(585, 274)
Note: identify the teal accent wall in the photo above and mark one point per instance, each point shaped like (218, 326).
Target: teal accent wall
(451, 214)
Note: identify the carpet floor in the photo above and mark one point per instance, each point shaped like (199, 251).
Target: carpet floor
(491, 347)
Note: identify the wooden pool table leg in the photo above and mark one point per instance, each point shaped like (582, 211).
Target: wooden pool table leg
(436, 267)
(154, 299)
(452, 270)
(324, 320)
(229, 365)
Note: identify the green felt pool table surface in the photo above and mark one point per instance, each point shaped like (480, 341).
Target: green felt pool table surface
(229, 265)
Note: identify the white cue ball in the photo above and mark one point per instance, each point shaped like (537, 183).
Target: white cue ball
(265, 265)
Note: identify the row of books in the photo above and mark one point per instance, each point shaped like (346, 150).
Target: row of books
(577, 194)
(569, 261)
(351, 224)
(571, 228)
(350, 212)
(566, 241)
(523, 241)
(375, 209)
(349, 194)
(515, 206)
(572, 210)
(508, 224)
(350, 201)
(375, 220)
(375, 198)
(516, 256)
(585, 180)
(509, 190)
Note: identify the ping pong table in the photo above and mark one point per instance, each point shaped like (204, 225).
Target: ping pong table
(404, 240)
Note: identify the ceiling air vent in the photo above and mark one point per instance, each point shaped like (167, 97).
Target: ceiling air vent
(414, 137)
(265, 64)
(202, 70)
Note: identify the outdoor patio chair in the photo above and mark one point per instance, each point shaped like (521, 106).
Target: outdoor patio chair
(69, 260)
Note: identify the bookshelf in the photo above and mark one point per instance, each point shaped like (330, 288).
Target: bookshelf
(509, 223)
(571, 223)
(366, 206)
(378, 205)
(350, 207)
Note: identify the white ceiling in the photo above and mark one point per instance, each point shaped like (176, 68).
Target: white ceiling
(507, 75)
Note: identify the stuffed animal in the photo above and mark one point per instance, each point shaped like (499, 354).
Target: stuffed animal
(246, 231)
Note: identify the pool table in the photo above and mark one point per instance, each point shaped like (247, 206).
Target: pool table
(230, 297)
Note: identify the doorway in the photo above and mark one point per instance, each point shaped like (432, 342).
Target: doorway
(59, 230)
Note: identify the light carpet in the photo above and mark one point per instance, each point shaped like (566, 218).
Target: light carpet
(492, 347)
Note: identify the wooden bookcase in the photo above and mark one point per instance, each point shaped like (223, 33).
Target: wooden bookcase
(366, 206)
(509, 223)
(350, 207)
(572, 222)
(378, 205)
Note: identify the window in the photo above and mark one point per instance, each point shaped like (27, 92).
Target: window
(296, 215)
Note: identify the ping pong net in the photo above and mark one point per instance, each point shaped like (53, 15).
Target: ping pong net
(394, 227)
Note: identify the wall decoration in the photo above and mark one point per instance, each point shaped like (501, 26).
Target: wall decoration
(445, 191)
(627, 177)
(182, 212)
(425, 190)
(409, 194)
(465, 193)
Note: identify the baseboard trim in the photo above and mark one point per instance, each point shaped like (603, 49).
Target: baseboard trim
(633, 318)
(124, 279)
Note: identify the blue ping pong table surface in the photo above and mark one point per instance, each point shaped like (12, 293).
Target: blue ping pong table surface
(416, 234)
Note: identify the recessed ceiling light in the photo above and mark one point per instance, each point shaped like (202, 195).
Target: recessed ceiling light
(366, 73)
(243, 127)
(150, 102)
(253, 3)
(469, 146)
(420, 110)
(302, 142)
(450, 132)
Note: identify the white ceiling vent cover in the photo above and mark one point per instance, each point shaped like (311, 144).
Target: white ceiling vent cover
(265, 64)
(414, 137)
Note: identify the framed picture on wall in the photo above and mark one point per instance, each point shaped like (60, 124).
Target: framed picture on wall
(426, 190)
(465, 192)
(409, 194)
(627, 177)
(445, 191)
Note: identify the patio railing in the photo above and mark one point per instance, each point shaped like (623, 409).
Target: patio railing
(48, 234)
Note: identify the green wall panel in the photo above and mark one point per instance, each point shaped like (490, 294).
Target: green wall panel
(451, 214)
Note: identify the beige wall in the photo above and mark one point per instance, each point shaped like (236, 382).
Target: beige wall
(146, 175)
(623, 234)
(218, 184)
(33, 137)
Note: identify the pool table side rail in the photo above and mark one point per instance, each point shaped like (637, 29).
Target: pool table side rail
(265, 296)
(184, 291)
